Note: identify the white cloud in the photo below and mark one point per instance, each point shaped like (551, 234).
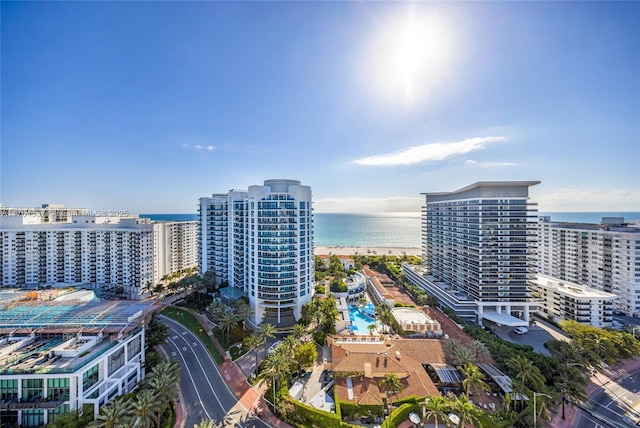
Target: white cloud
(489, 164)
(430, 152)
(398, 204)
(592, 199)
(199, 147)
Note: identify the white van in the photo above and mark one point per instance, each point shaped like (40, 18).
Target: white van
(520, 330)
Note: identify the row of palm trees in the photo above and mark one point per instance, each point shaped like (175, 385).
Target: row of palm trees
(280, 364)
(226, 317)
(156, 393)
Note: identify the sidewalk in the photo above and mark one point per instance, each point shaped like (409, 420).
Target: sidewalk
(249, 398)
(598, 380)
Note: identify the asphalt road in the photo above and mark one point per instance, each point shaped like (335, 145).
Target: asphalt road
(615, 405)
(205, 394)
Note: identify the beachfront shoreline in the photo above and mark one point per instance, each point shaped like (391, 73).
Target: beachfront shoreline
(366, 251)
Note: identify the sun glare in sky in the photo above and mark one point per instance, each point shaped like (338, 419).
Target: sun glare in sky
(408, 56)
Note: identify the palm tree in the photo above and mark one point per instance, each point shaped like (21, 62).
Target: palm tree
(466, 411)
(528, 374)
(299, 331)
(254, 342)
(244, 311)
(571, 388)
(392, 384)
(479, 351)
(473, 379)
(602, 347)
(436, 408)
(163, 381)
(145, 408)
(216, 309)
(276, 367)
(371, 328)
(116, 415)
(289, 345)
(266, 331)
(228, 320)
(461, 356)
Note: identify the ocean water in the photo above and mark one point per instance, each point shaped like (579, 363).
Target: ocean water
(391, 230)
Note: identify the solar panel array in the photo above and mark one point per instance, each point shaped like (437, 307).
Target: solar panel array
(501, 379)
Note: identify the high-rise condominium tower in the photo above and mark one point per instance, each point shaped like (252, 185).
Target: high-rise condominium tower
(261, 242)
(479, 248)
(604, 256)
(59, 246)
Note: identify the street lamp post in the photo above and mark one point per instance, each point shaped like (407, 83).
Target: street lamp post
(535, 415)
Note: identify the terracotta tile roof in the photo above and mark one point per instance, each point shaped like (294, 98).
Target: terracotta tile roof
(352, 357)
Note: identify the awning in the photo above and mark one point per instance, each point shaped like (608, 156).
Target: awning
(503, 319)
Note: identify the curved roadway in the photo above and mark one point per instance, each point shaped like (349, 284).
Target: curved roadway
(205, 394)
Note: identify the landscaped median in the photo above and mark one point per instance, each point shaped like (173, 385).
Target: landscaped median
(192, 323)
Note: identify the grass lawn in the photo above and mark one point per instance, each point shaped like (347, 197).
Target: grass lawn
(185, 318)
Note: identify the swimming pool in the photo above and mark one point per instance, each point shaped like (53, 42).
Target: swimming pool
(359, 321)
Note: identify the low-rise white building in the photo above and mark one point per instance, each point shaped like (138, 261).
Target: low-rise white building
(59, 354)
(356, 288)
(415, 320)
(565, 300)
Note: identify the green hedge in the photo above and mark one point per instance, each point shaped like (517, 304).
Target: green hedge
(400, 415)
(349, 409)
(314, 417)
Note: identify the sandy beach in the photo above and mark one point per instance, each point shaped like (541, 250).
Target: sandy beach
(371, 251)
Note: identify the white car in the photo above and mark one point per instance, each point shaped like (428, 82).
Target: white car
(520, 330)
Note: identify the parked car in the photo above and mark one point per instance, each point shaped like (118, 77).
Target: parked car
(520, 330)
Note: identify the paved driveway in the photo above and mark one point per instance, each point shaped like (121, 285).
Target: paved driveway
(535, 337)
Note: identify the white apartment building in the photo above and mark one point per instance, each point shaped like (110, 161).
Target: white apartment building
(176, 246)
(63, 353)
(603, 256)
(564, 300)
(121, 255)
(478, 246)
(261, 242)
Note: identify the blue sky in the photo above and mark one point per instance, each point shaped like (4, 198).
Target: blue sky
(147, 106)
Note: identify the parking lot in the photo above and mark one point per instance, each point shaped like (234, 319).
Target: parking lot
(535, 337)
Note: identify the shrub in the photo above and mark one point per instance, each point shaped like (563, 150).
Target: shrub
(310, 416)
(399, 415)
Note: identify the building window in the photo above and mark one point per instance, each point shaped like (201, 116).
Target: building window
(58, 389)
(8, 389)
(90, 377)
(32, 389)
(133, 347)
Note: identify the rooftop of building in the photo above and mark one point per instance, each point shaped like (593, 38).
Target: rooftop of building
(487, 184)
(406, 315)
(571, 289)
(367, 362)
(61, 330)
(609, 224)
(68, 311)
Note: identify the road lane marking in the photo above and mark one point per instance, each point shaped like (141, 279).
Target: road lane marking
(170, 321)
(195, 387)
